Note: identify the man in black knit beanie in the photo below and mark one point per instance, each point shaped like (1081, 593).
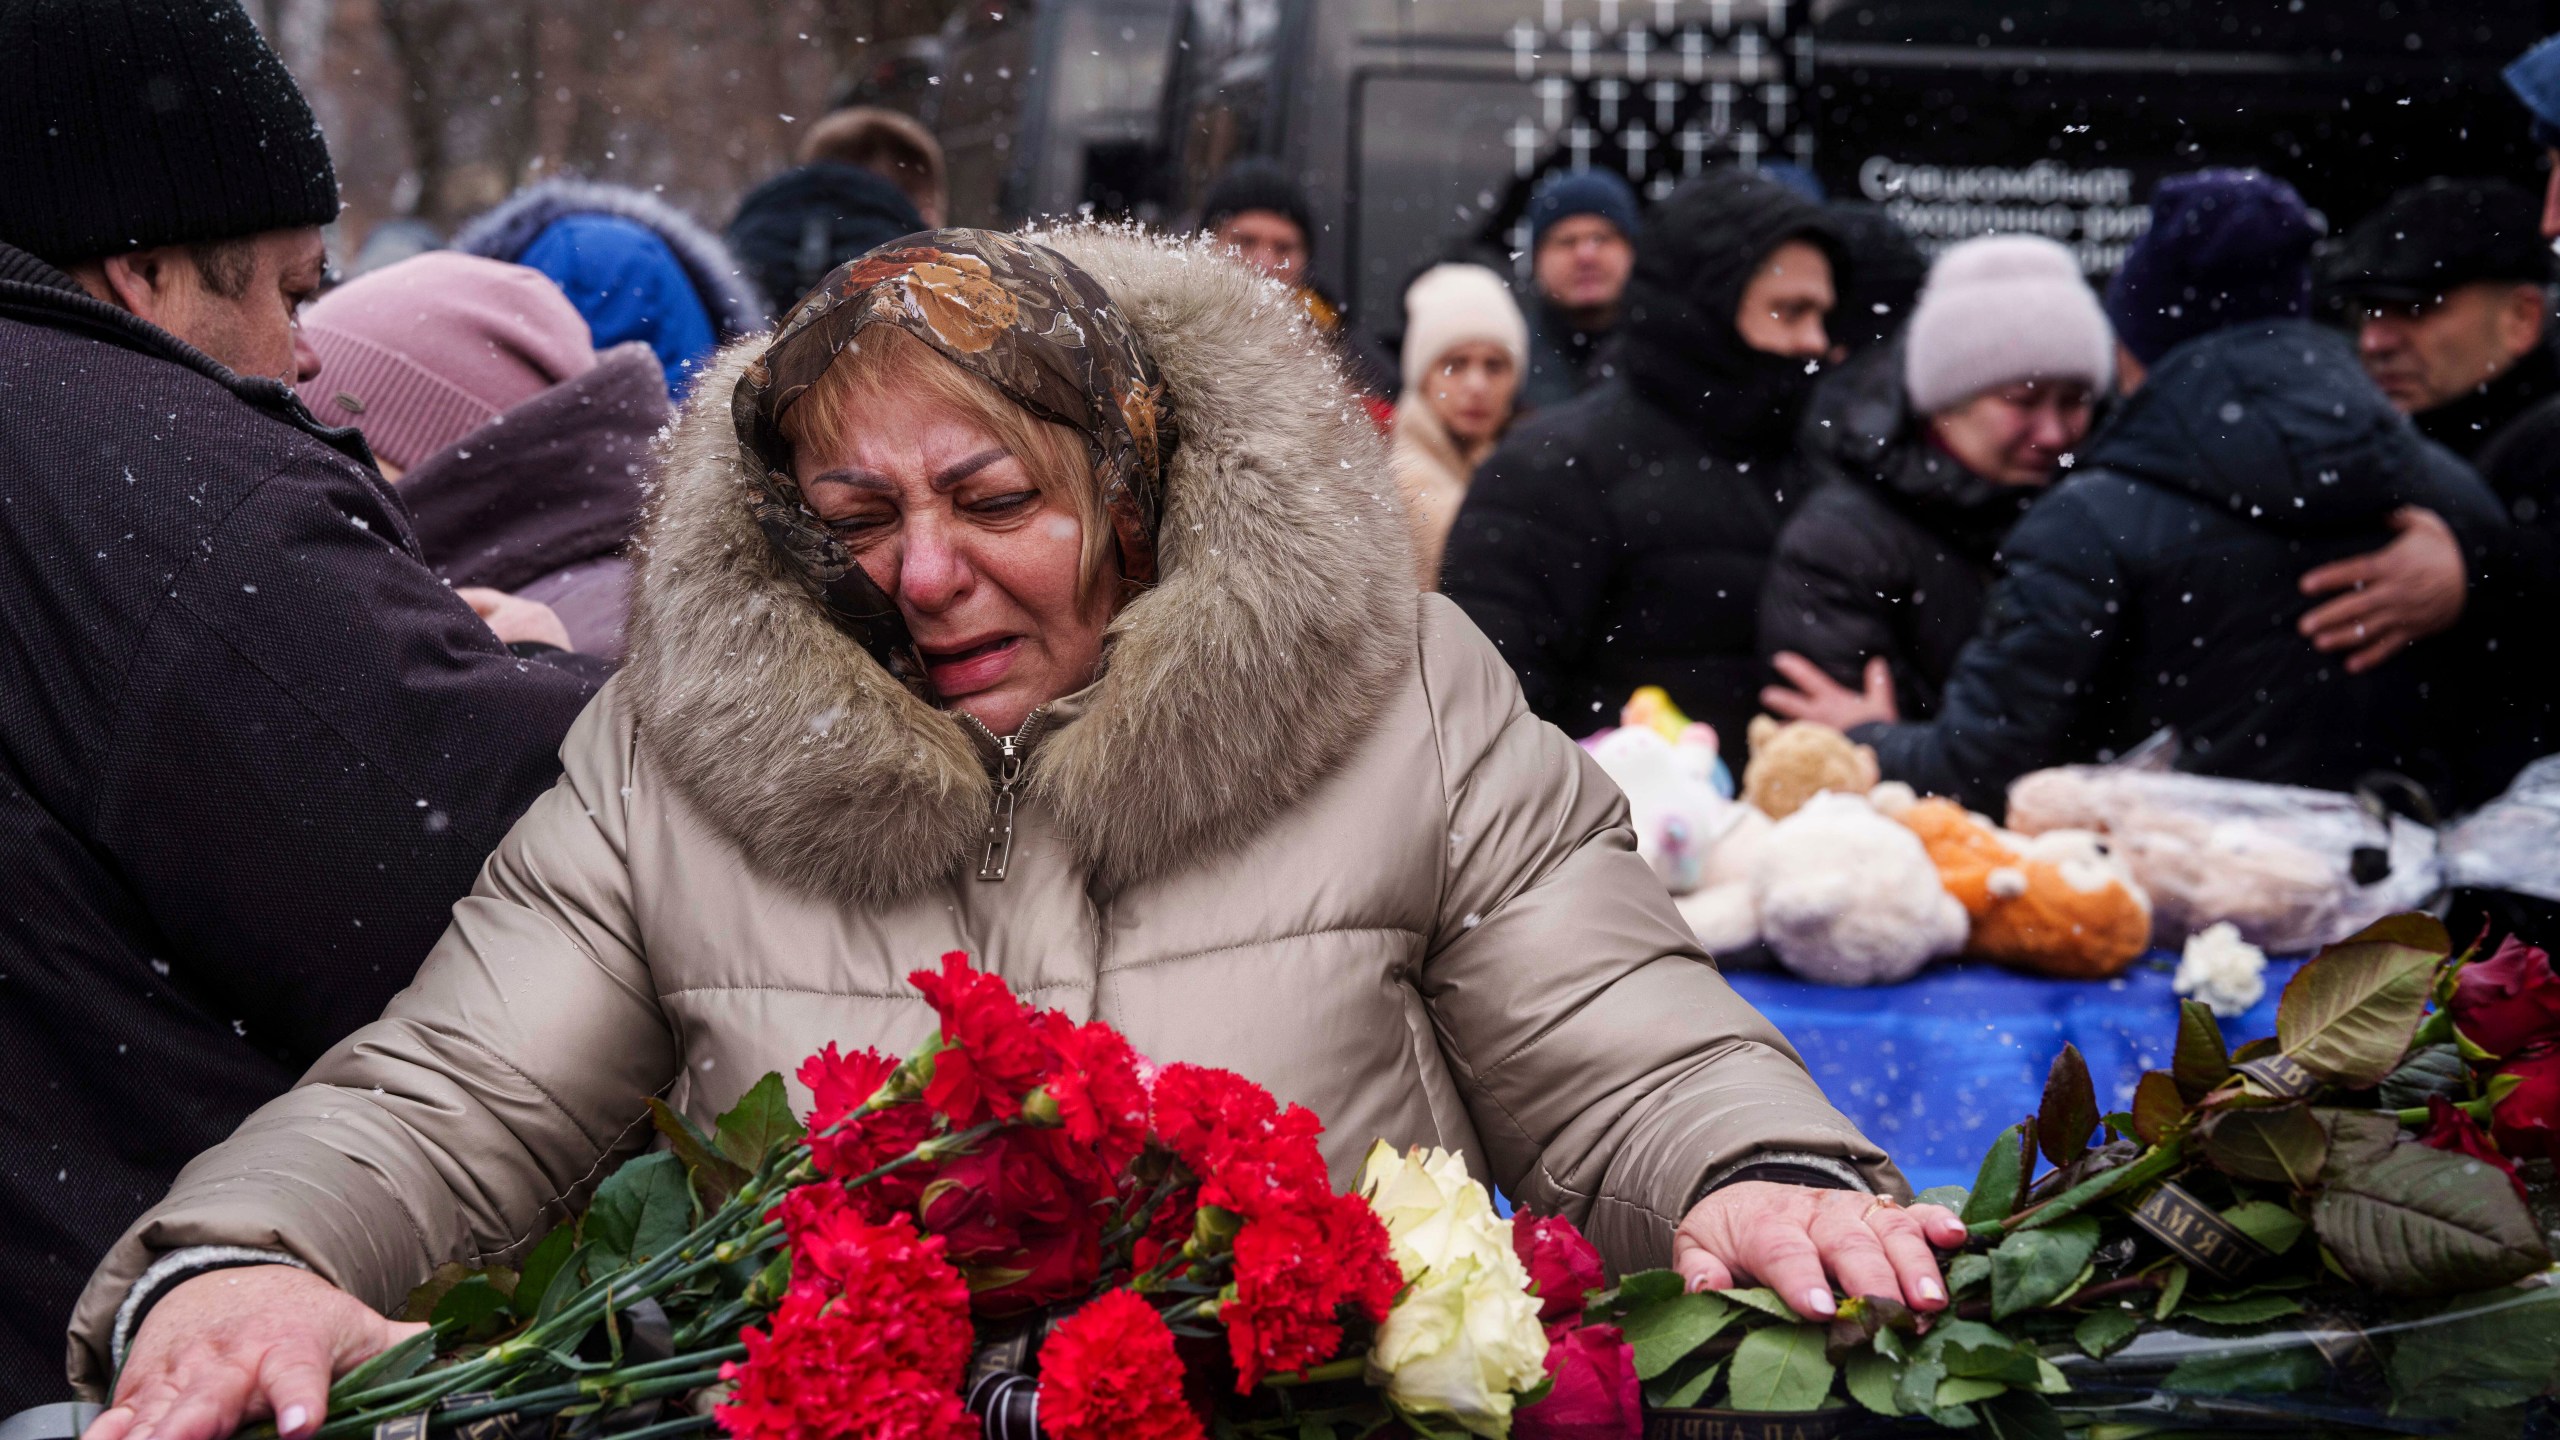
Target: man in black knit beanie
(251, 748)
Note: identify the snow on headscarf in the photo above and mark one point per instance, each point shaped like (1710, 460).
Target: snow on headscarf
(1020, 316)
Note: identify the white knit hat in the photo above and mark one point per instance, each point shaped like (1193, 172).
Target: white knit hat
(1999, 310)
(1449, 305)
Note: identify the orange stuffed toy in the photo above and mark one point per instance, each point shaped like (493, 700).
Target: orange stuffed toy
(2056, 904)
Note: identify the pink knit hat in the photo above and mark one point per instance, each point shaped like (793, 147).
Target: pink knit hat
(421, 353)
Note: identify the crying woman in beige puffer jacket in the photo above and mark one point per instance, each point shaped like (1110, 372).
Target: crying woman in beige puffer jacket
(1301, 827)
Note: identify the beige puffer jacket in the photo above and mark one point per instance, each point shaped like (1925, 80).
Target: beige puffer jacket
(1302, 827)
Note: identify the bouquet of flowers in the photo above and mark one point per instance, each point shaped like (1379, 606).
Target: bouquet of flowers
(1021, 1229)
(2324, 1232)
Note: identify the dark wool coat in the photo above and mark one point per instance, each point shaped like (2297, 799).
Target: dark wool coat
(1896, 549)
(251, 752)
(2159, 586)
(1620, 539)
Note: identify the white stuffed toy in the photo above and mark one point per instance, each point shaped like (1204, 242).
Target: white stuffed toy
(1671, 794)
(1847, 896)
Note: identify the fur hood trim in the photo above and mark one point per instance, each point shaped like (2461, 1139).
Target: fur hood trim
(1282, 621)
(503, 233)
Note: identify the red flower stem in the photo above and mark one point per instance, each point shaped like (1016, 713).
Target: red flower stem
(1345, 1368)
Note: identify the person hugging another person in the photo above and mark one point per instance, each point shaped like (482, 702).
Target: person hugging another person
(1465, 342)
(519, 449)
(1930, 450)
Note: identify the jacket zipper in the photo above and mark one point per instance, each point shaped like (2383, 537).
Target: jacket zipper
(1011, 751)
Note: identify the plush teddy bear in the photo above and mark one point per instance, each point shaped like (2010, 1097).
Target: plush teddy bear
(1793, 762)
(1839, 893)
(1678, 811)
(2056, 903)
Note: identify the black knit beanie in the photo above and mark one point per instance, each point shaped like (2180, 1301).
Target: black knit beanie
(131, 123)
(1252, 184)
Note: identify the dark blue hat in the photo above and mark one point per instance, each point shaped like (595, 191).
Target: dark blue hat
(2535, 77)
(2225, 247)
(1567, 193)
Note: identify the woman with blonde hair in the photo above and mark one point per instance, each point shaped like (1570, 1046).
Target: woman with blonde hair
(1043, 597)
(1464, 345)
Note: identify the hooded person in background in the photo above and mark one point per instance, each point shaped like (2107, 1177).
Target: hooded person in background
(866, 176)
(1621, 539)
(1582, 247)
(1464, 343)
(2156, 587)
(2448, 286)
(635, 266)
(1885, 271)
(1930, 450)
(251, 748)
(519, 450)
(1259, 211)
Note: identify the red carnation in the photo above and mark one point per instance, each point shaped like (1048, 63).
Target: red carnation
(1596, 1394)
(1296, 1267)
(2527, 1122)
(845, 1147)
(869, 1342)
(1563, 1265)
(2448, 1128)
(2507, 1002)
(1108, 1372)
(991, 1056)
(1250, 1154)
(1101, 1102)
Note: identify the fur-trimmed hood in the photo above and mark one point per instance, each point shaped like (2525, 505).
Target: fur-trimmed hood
(718, 276)
(1282, 620)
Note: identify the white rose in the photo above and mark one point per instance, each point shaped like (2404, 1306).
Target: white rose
(1461, 1343)
(1463, 1340)
(2224, 971)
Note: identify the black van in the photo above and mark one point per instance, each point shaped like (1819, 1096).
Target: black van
(1419, 124)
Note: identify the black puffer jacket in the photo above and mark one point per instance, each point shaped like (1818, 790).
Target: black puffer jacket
(1620, 539)
(2159, 586)
(251, 752)
(1895, 551)
(794, 228)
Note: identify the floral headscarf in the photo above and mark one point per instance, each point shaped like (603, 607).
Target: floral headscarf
(1021, 317)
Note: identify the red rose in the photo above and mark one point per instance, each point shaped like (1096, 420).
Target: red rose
(2448, 1128)
(2527, 1122)
(992, 1054)
(1108, 1372)
(1596, 1395)
(1564, 1266)
(2505, 1003)
(1021, 1231)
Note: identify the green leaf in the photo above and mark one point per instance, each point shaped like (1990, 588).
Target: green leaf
(2020, 1415)
(1781, 1368)
(1665, 1332)
(1950, 1196)
(2172, 1291)
(472, 1310)
(2201, 1062)
(2157, 1106)
(2480, 1353)
(2281, 1146)
(1972, 1350)
(1313, 1428)
(2347, 1016)
(2250, 1372)
(639, 1211)
(1689, 1391)
(1871, 1378)
(2431, 1070)
(2033, 1267)
(715, 1175)
(1967, 1271)
(564, 1285)
(1997, 1184)
(761, 1119)
(2248, 1310)
(1964, 1390)
(2427, 1222)
(1634, 1292)
(541, 1265)
(2274, 1227)
(422, 1302)
(1764, 1300)
(396, 1363)
(2101, 1331)
(2358, 1139)
(2069, 1114)
(1917, 1389)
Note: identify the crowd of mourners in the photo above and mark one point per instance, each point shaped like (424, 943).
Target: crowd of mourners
(305, 580)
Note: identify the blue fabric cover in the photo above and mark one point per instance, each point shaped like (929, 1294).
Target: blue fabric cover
(1935, 1068)
(630, 286)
